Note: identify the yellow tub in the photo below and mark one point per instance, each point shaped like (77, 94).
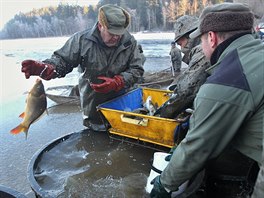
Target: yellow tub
(146, 128)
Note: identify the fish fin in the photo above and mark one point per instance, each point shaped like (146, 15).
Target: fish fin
(22, 115)
(26, 133)
(43, 114)
(19, 129)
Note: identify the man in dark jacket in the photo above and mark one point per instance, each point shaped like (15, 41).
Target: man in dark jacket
(143, 57)
(187, 84)
(108, 59)
(229, 107)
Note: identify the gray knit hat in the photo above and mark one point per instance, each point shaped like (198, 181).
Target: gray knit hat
(114, 18)
(224, 17)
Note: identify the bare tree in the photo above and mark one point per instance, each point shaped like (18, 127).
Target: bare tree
(172, 11)
(194, 7)
(183, 8)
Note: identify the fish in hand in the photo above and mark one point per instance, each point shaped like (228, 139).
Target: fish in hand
(36, 104)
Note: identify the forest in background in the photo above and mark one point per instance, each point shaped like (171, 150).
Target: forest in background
(146, 15)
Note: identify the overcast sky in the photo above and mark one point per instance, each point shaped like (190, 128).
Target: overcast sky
(9, 8)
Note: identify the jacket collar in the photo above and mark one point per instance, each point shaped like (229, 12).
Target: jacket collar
(225, 47)
(221, 47)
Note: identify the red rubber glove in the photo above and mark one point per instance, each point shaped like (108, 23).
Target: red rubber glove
(111, 84)
(36, 68)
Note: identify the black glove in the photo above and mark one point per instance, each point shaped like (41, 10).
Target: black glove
(158, 190)
(168, 157)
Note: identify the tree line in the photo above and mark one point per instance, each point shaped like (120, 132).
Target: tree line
(146, 15)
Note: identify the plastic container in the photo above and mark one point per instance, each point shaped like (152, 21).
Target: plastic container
(158, 163)
(82, 164)
(142, 127)
(6, 192)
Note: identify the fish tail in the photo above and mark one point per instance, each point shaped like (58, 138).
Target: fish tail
(19, 129)
(26, 132)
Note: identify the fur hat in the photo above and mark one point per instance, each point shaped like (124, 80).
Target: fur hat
(114, 18)
(224, 17)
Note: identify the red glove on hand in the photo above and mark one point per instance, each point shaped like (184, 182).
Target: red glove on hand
(111, 84)
(36, 68)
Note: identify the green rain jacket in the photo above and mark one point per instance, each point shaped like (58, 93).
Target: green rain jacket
(87, 50)
(176, 58)
(228, 111)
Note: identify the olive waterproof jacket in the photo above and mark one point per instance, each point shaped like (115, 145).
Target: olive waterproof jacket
(176, 58)
(87, 50)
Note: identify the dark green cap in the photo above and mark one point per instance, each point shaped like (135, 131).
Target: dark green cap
(224, 17)
(115, 18)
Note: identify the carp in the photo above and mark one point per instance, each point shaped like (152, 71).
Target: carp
(150, 106)
(36, 104)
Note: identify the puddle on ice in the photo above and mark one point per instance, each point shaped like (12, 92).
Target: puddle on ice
(89, 164)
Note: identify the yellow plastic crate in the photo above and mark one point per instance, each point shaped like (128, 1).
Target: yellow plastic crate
(146, 128)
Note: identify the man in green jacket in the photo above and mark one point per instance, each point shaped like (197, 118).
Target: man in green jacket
(107, 55)
(229, 107)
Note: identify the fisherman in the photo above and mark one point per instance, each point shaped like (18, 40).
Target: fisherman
(176, 58)
(108, 57)
(229, 107)
(187, 84)
(184, 26)
(143, 58)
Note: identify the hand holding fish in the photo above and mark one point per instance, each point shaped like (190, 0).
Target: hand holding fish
(37, 68)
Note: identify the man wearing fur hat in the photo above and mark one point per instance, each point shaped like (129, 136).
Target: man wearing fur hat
(229, 107)
(108, 58)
